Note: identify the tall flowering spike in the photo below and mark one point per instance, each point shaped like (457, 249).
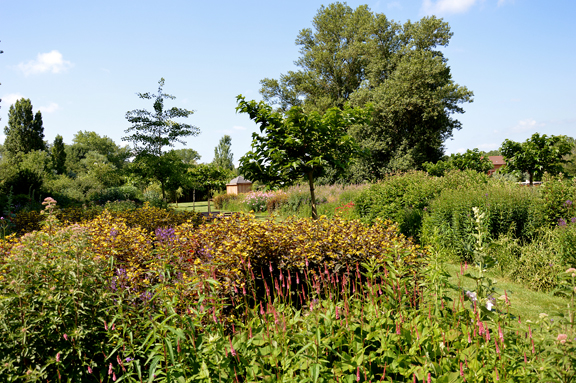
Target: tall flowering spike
(414, 378)
(461, 370)
(533, 348)
(496, 371)
(337, 316)
(525, 358)
(530, 331)
(500, 334)
(358, 374)
(497, 348)
(110, 369)
(429, 378)
(232, 351)
(89, 369)
(58, 357)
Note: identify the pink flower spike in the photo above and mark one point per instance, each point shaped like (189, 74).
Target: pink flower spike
(461, 369)
(232, 351)
(89, 369)
(496, 371)
(429, 378)
(358, 374)
(525, 359)
(114, 377)
(110, 369)
(65, 337)
(500, 334)
(58, 357)
(414, 379)
(105, 326)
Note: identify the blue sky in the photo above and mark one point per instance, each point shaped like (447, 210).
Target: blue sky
(81, 63)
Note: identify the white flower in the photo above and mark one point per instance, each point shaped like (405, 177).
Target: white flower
(489, 305)
(471, 295)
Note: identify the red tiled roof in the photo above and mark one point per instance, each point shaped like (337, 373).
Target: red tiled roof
(497, 160)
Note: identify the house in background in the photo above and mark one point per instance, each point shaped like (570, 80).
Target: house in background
(497, 162)
(238, 185)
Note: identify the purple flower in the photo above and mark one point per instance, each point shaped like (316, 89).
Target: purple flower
(568, 203)
(113, 233)
(561, 222)
(573, 220)
(165, 234)
(128, 360)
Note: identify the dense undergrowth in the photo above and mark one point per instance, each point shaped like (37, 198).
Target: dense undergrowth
(245, 300)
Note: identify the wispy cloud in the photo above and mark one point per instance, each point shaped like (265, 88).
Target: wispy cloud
(51, 108)
(447, 6)
(46, 62)
(11, 99)
(528, 124)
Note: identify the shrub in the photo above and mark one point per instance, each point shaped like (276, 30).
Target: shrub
(510, 209)
(404, 197)
(257, 201)
(558, 199)
(53, 305)
(221, 200)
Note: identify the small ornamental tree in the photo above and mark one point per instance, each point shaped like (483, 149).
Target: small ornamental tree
(298, 144)
(537, 155)
(152, 131)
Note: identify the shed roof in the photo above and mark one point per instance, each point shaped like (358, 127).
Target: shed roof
(239, 180)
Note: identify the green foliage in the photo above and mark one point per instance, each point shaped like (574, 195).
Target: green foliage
(404, 198)
(152, 131)
(223, 156)
(222, 200)
(298, 144)
(470, 160)
(509, 209)
(58, 153)
(53, 305)
(207, 178)
(24, 132)
(537, 155)
(188, 156)
(85, 142)
(558, 199)
(176, 311)
(360, 56)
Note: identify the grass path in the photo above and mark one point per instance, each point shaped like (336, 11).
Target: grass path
(527, 303)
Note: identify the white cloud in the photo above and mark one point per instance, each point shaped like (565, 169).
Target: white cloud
(447, 6)
(488, 147)
(528, 124)
(50, 108)
(238, 128)
(46, 62)
(11, 99)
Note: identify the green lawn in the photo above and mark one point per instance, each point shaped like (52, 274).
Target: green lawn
(202, 207)
(528, 304)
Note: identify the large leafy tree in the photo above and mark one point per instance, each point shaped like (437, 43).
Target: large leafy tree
(357, 55)
(223, 156)
(298, 144)
(24, 132)
(537, 155)
(151, 131)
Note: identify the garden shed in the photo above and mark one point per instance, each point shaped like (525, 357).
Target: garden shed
(238, 185)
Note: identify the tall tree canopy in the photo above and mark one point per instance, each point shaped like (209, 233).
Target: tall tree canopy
(24, 132)
(151, 132)
(223, 156)
(298, 144)
(538, 154)
(359, 56)
(58, 152)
